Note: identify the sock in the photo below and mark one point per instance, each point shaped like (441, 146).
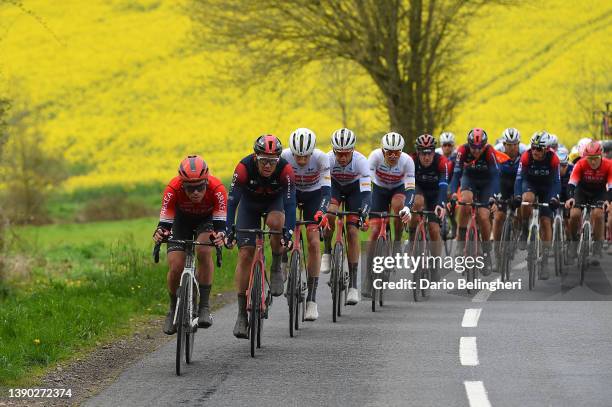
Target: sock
(327, 245)
(353, 274)
(204, 294)
(242, 304)
(313, 282)
(276, 261)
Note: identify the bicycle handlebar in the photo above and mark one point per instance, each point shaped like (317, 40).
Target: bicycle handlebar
(344, 213)
(260, 231)
(157, 248)
(383, 215)
(474, 204)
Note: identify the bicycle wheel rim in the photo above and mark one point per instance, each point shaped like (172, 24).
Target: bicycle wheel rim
(417, 251)
(505, 249)
(532, 256)
(584, 252)
(180, 328)
(190, 334)
(379, 251)
(471, 247)
(255, 308)
(335, 279)
(291, 290)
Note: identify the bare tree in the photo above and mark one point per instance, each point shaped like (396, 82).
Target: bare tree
(410, 48)
(589, 96)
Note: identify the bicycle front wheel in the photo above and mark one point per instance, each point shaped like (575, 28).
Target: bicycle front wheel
(336, 279)
(379, 252)
(506, 250)
(256, 305)
(532, 256)
(191, 328)
(558, 245)
(583, 253)
(471, 246)
(292, 291)
(181, 324)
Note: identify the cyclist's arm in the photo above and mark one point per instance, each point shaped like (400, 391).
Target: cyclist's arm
(325, 182)
(520, 174)
(409, 182)
(168, 208)
(457, 171)
(287, 178)
(493, 171)
(556, 187)
(609, 181)
(442, 180)
(575, 178)
(235, 193)
(219, 214)
(365, 187)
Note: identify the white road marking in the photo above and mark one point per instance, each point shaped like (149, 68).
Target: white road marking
(519, 266)
(468, 353)
(477, 394)
(470, 317)
(483, 295)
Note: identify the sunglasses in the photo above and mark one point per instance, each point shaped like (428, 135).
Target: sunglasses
(593, 157)
(539, 148)
(343, 153)
(191, 188)
(271, 161)
(394, 153)
(447, 145)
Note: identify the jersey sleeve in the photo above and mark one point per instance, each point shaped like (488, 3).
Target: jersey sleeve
(219, 213)
(442, 179)
(520, 173)
(324, 167)
(168, 208)
(409, 181)
(364, 175)
(576, 173)
(287, 178)
(235, 194)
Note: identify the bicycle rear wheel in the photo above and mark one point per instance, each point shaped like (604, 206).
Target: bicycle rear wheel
(255, 312)
(336, 276)
(558, 245)
(419, 251)
(191, 329)
(583, 252)
(532, 256)
(292, 291)
(506, 250)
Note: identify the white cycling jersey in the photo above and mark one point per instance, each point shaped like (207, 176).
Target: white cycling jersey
(522, 148)
(389, 177)
(356, 170)
(312, 176)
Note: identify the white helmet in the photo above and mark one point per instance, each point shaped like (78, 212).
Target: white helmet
(582, 143)
(343, 139)
(540, 139)
(447, 138)
(393, 141)
(554, 142)
(563, 155)
(511, 136)
(302, 141)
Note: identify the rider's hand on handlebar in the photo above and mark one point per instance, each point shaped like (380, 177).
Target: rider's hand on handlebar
(554, 203)
(570, 203)
(160, 234)
(286, 238)
(322, 219)
(218, 238)
(439, 210)
(493, 204)
(230, 238)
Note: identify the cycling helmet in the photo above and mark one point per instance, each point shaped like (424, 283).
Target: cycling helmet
(582, 144)
(606, 145)
(268, 144)
(302, 141)
(592, 149)
(193, 169)
(425, 143)
(540, 139)
(511, 136)
(343, 139)
(477, 138)
(447, 138)
(393, 141)
(563, 155)
(553, 142)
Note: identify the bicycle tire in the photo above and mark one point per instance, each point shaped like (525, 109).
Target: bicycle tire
(506, 250)
(558, 245)
(418, 250)
(191, 330)
(532, 256)
(292, 291)
(337, 260)
(379, 251)
(254, 314)
(583, 254)
(426, 275)
(180, 327)
(471, 247)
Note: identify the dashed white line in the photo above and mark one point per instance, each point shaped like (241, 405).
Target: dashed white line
(468, 353)
(470, 317)
(483, 295)
(477, 395)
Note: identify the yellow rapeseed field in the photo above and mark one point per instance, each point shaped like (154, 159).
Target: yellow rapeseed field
(121, 91)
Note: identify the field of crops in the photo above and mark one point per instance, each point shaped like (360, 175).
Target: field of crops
(122, 91)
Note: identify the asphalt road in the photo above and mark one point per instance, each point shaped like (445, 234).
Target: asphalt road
(551, 346)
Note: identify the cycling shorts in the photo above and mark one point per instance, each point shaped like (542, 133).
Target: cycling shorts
(249, 217)
(186, 227)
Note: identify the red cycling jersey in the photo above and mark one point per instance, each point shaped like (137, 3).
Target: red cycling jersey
(592, 180)
(175, 199)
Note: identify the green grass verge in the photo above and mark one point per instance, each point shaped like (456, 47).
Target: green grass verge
(88, 282)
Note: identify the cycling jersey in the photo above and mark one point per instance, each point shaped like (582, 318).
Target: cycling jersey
(261, 191)
(565, 180)
(314, 176)
(507, 176)
(175, 200)
(538, 175)
(502, 148)
(483, 171)
(432, 181)
(393, 177)
(351, 182)
(591, 180)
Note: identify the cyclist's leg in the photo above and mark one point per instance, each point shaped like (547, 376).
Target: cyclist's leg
(574, 225)
(417, 205)
(546, 216)
(433, 224)
(397, 204)
(483, 217)
(204, 273)
(525, 211)
(464, 213)
(310, 202)
(353, 202)
(328, 233)
(275, 221)
(597, 219)
(381, 198)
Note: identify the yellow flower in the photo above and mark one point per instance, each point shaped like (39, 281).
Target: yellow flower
(36, 341)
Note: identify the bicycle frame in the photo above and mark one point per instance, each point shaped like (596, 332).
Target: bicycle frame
(258, 258)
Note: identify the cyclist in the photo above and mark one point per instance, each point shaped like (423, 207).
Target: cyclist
(501, 144)
(194, 202)
(538, 177)
(447, 142)
(553, 143)
(590, 182)
(565, 171)
(263, 182)
(511, 144)
(432, 172)
(477, 172)
(313, 184)
(350, 183)
(578, 149)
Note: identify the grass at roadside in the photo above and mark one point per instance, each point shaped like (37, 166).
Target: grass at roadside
(87, 282)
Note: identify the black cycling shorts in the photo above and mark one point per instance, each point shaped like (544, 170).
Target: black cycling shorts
(249, 216)
(186, 227)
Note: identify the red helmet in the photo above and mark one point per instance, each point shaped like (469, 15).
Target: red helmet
(477, 138)
(591, 149)
(425, 142)
(268, 144)
(193, 169)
